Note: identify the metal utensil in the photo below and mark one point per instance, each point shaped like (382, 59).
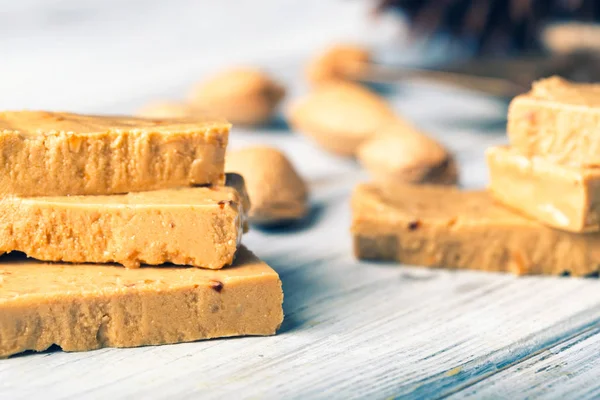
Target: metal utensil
(498, 77)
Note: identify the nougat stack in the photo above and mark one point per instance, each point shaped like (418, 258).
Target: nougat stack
(541, 214)
(551, 171)
(94, 190)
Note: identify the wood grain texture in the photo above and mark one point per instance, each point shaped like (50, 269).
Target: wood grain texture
(565, 370)
(352, 329)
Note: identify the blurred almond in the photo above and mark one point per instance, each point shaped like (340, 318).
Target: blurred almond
(401, 153)
(340, 116)
(342, 62)
(277, 192)
(165, 109)
(245, 96)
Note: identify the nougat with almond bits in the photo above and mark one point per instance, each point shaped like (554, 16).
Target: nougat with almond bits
(441, 226)
(86, 307)
(58, 154)
(562, 196)
(195, 226)
(558, 120)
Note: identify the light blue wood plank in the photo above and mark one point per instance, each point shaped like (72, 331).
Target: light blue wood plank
(568, 370)
(508, 363)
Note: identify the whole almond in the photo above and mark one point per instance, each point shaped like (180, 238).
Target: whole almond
(164, 109)
(245, 96)
(341, 62)
(401, 153)
(340, 116)
(572, 37)
(277, 192)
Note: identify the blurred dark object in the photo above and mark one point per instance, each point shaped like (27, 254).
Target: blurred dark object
(491, 26)
(504, 77)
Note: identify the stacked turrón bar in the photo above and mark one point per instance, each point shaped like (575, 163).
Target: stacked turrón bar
(541, 213)
(128, 233)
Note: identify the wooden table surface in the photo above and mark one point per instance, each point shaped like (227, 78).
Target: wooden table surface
(352, 329)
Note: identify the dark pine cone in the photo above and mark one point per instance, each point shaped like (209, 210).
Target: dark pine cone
(493, 26)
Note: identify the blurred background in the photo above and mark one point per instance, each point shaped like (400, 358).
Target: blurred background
(113, 55)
